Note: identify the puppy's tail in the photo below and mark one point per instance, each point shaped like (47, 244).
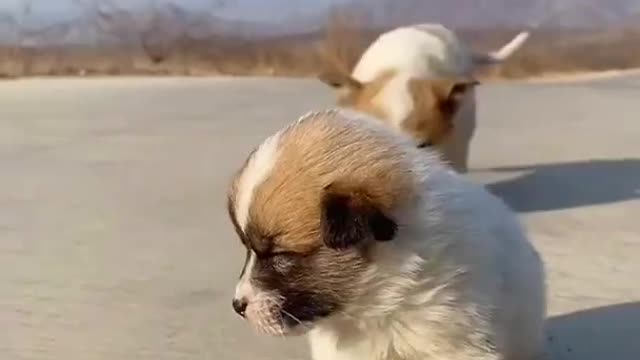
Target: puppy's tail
(498, 56)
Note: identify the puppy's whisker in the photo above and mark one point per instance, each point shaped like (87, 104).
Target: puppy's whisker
(295, 319)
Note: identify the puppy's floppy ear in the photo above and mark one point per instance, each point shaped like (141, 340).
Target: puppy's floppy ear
(350, 217)
(451, 91)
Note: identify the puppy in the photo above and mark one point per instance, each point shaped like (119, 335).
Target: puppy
(378, 251)
(420, 80)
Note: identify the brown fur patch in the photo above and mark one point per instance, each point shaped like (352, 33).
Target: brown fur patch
(317, 153)
(427, 122)
(363, 97)
(435, 102)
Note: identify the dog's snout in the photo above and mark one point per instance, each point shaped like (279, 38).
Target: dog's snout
(240, 306)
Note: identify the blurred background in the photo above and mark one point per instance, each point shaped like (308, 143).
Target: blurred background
(295, 37)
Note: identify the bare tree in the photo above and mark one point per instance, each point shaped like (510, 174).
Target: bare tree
(155, 28)
(344, 40)
(162, 30)
(16, 26)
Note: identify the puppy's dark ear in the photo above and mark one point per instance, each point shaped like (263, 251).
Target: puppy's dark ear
(350, 217)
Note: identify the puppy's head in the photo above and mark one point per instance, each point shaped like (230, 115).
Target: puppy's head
(309, 205)
(424, 109)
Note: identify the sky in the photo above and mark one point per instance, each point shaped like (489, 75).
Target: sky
(278, 11)
(265, 10)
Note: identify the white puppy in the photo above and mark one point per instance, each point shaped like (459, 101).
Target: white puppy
(379, 251)
(420, 80)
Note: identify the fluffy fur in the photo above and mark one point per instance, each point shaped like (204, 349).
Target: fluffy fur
(399, 79)
(377, 250)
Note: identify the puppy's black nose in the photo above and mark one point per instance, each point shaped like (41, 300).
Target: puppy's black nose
(240, 306)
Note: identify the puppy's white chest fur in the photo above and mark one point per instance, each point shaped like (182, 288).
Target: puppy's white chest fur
(376, 342)
(326, 344)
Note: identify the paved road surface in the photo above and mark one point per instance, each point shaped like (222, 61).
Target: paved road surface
(114, 243)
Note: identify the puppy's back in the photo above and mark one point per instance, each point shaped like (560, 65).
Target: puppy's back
(425, 50)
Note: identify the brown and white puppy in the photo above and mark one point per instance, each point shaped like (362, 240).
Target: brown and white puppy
(378, 251)
(420, 80)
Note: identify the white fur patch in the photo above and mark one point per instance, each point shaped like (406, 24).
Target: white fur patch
(315, 114)
(244, 289)
(257, 170)
(396, 99)
(263, 307)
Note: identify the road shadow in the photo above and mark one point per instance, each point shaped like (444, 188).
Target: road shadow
(568, 185)
(605, 333)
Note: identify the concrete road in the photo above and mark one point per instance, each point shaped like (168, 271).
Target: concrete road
(114, 242)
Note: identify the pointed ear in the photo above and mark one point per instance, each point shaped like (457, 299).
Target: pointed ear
(451, 91)
(350, 218)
